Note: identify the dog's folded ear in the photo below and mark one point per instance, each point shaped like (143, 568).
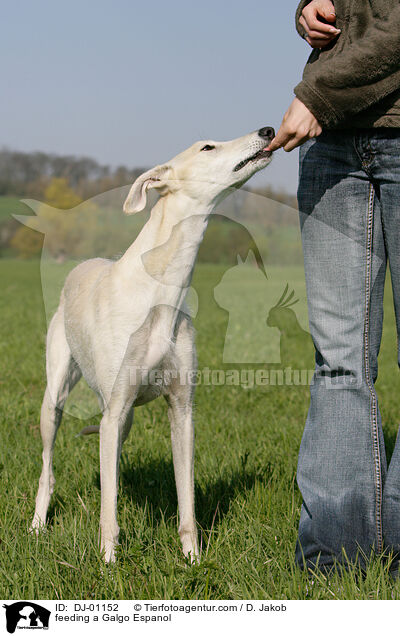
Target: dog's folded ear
(154, 178)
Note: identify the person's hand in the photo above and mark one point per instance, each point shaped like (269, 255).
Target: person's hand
(298, 125)
(319, 34)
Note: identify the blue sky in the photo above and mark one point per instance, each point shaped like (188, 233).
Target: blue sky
(135, 83)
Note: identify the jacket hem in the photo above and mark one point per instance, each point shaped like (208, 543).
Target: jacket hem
(319, 107)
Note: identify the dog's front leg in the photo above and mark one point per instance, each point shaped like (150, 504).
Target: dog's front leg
(114, 429)
(182, 437)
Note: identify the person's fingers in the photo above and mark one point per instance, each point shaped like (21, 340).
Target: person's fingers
(318, 35)
(311, 14)
(274, 145)
(298, 125)
(327, 10)
(311, 23)
(281, 138)
(301, 135)
(294, 142)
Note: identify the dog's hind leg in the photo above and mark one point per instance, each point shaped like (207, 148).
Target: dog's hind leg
(62, 375)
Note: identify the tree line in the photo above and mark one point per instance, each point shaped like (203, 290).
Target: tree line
(96, 227)
(28, 174)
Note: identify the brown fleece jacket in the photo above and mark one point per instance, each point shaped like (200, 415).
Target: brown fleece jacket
(355, 81)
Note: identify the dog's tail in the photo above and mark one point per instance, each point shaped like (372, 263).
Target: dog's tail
(88, 430)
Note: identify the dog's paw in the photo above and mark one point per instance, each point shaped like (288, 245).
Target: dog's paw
(107, 550)
(192, 556)
(37, 526)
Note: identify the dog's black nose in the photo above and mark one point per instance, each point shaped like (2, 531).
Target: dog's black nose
(267, 132)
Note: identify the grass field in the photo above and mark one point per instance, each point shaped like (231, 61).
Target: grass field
(247, 500)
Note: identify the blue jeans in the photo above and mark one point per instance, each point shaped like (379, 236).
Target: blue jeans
(349, 201)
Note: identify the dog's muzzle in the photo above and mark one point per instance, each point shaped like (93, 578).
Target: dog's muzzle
(267, 133)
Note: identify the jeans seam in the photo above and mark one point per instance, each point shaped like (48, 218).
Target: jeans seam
(373, 409)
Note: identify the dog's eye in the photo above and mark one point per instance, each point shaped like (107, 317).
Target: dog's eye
(207, 147)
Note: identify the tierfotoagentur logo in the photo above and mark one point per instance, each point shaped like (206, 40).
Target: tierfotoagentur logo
(26, 615)
(246, 378)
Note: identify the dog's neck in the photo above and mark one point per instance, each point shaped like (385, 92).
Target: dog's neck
(168, 244)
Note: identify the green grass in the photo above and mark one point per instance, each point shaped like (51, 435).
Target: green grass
(247, 500)
(12, 205)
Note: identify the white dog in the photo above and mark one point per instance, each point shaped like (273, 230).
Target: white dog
(118, 321)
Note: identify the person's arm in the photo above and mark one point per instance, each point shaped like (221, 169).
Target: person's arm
(299, 123)
(363, 73)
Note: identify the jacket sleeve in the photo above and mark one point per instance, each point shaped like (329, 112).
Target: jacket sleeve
(300, 8)
(335, 87)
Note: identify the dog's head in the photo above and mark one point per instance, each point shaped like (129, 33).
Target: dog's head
(206, 172)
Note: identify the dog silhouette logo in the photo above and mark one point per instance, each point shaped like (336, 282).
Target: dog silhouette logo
(26, 615)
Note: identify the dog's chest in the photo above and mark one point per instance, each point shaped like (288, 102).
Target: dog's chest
(155, 381)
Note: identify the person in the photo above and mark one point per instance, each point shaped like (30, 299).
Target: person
(346, 118)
